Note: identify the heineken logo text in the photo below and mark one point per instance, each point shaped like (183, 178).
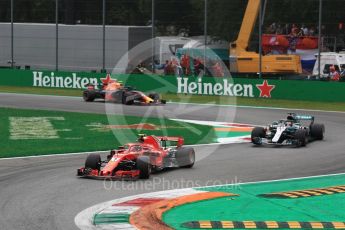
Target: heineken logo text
(226, 88)
(75, 82)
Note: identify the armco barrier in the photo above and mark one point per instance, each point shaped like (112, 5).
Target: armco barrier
(255, 88)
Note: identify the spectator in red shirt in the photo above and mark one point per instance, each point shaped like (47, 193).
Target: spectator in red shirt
(197, 66)
(185, 64)
(218, 70)
(168, 68)
(333, 74)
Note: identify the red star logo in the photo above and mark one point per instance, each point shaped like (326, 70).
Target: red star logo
(265, 89)
(107, 79)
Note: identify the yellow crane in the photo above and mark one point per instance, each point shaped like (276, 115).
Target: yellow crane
(244, 61)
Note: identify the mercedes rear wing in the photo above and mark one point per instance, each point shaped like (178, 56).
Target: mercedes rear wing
(293, 116)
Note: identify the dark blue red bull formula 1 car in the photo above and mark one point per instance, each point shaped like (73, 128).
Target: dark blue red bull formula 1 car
(114, 91)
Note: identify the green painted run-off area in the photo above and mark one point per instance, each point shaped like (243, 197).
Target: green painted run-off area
(39, 132)
(110, 218)
(248, 206)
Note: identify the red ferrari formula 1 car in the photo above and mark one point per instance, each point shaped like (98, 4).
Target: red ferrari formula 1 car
(114, 91)
(138, 160)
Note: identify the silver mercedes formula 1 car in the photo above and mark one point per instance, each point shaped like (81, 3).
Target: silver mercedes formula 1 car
(295, 130)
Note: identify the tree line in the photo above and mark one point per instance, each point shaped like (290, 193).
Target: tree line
(177, 17)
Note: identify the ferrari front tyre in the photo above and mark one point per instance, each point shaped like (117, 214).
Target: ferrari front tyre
(89, 95)
(317, 131)
(257, 134)
(185, 157)
(301, 137)
(144, 166)
(93, 161)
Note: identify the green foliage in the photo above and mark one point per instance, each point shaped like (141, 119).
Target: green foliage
(128, 12)
(40, 11)
(176, 16)
(225, 18)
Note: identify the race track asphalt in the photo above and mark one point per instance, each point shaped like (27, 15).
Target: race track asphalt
(43, 193)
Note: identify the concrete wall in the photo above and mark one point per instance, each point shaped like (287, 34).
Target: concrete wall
(80, 46)
(5, 44)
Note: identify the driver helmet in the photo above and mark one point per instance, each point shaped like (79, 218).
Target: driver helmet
(141, 138)
(289, 123)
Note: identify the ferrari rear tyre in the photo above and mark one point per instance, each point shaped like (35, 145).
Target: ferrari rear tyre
(257, 134)
(144, 166)
(301, 137)
(154, 96)
(185, 157)
(317, 131)
(89, 96)
(93, 161)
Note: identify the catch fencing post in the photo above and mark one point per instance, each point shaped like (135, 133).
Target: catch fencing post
(12, 50)
(103, 23)
(260, 40)
(153, 35)
(205, 34)
(319, 38)
(56, 35)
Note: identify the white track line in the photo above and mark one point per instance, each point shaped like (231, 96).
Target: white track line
(256, 107)
(276, 180)
(215, 123)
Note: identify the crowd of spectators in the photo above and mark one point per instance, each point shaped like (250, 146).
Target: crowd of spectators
(288, 38)
(291, 29)
(192, 66)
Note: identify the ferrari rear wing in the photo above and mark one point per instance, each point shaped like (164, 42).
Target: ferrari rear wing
(179, 140)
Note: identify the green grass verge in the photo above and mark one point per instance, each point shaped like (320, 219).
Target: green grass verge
(36, 132)
(241, 101)
(40, 90)
(248, 206)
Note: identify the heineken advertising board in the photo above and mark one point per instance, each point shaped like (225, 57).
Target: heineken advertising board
(241, 87)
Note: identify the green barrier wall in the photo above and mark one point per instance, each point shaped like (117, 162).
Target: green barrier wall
(277, 89)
